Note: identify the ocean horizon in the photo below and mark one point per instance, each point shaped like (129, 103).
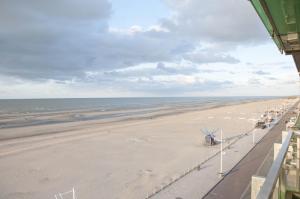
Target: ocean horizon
(110, 104)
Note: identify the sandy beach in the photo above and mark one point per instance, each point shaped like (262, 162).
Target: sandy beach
(116, 159)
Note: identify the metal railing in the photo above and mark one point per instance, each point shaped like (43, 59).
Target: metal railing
(268, 187)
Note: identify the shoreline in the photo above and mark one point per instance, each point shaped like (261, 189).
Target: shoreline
(146, 116)
(21, 120)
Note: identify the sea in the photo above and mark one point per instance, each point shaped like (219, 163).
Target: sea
(112, 104)
(32, 112)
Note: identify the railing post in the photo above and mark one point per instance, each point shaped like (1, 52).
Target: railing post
(277, 148)
(298, 152)
(274, 185)
(282, 185)
(256, 184)
(283, 135)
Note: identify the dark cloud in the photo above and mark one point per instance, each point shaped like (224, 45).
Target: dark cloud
(62, 39)
(49, 39)
(14, 11)
(65, 40)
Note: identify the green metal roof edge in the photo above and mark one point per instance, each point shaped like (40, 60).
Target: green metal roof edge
(267, 23)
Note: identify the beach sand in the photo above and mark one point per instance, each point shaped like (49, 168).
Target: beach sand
(117, 159)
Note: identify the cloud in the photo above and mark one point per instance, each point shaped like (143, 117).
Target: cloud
(161, 78)
(152, 70)
(47, 39)
(210, 58)
(177, 85)
(260, 72)
(71, 44)
(254, 81)
(162, 68)
(63, 39)
(233, 21)
(293, 82)
(272, 78)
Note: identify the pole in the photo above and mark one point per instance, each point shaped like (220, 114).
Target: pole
(73, 193)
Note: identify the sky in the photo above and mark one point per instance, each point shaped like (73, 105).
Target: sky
(134, 48)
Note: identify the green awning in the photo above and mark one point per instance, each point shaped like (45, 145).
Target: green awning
(282, 20)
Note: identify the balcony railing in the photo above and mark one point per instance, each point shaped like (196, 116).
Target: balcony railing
(269, 187)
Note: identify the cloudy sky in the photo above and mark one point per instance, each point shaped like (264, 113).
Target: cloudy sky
(113, 48)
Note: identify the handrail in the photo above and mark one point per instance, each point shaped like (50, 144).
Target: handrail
(267, 189)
